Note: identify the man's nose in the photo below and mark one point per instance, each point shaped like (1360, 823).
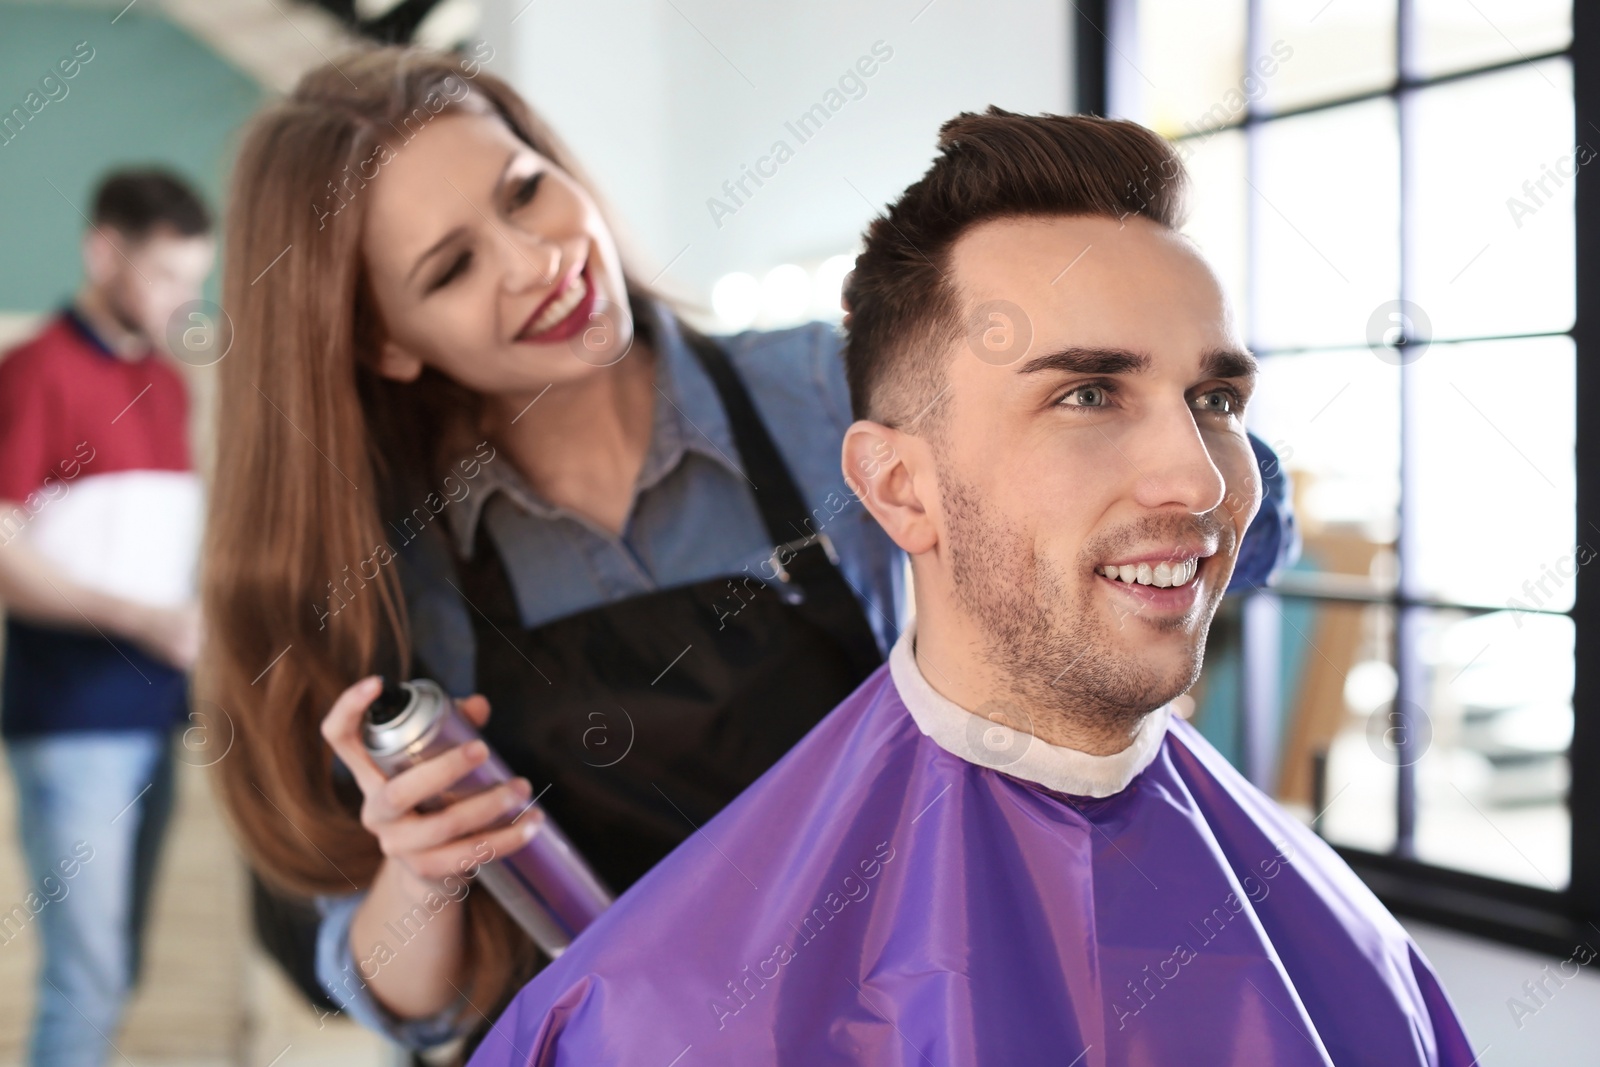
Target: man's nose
(1173, 466)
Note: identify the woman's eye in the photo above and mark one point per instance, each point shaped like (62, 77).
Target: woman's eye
(1085, 396)
(458, 266)
(1217, 402)
(525, 191)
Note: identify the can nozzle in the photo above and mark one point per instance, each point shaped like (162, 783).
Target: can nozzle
(389, 703)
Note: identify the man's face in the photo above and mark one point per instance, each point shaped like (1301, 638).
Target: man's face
(146, 281)
(1109, 442)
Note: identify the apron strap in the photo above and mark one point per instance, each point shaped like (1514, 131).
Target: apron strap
(800, 554)
(804, 560)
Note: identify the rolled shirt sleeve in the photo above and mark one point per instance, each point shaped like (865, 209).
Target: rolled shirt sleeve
(338, 974)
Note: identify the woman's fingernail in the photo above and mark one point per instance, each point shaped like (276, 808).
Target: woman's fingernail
(529, 828)
(477, 750)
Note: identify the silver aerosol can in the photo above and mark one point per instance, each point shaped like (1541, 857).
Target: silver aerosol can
(545, 885)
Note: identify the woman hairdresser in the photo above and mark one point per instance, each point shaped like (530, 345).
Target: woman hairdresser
(459, 439)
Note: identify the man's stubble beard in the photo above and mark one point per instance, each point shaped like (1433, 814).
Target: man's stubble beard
(1057, 662)
(116, 302)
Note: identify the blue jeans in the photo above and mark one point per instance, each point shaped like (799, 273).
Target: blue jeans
(92, 810)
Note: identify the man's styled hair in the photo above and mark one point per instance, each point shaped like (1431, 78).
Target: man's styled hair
(136, 203)
(904, 310)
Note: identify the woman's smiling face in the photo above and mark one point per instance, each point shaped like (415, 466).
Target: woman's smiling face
(488, 262)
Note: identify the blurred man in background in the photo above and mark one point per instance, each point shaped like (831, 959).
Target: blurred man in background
(99, 536)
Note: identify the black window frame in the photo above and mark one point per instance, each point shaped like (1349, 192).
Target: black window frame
(1544, 920)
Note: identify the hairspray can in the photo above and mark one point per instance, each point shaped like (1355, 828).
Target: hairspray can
(545, 885)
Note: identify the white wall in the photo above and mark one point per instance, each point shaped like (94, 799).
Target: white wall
(664, 100)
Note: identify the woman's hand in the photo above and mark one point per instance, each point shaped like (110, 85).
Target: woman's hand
(437, 845)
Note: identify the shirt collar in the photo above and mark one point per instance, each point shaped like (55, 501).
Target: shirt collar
(988, 744)
(80, 325)
(688, 417)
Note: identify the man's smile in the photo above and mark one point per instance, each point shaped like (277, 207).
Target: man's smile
(1163, 580)
(1164, 574)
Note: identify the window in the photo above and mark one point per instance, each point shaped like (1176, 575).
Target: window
(1387, 190)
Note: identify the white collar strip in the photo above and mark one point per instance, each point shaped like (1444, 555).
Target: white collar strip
(1021, 755)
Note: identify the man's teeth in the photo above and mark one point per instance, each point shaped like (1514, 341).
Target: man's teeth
(562, 307)
(1162, 575)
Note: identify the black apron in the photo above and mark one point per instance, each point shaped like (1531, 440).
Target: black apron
(638, 720)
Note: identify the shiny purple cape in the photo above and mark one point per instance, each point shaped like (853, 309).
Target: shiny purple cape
(874, 899)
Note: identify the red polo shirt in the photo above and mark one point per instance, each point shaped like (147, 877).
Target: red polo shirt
(96, 449)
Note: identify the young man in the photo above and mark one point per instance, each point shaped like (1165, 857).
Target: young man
(1003, 848)
(99, 537)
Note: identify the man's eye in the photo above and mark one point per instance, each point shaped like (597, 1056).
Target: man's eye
(1217, 402)
(1085, 396)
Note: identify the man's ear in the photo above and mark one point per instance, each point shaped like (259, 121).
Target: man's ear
(891, 471)
(397, 362)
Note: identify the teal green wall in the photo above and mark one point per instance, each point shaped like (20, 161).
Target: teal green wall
(150, 94)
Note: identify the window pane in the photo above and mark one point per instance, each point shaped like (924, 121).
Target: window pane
(1328, 224)
(1494, 219)
(1189, 65)
(1324, 50)
(1217, 205)
(1339, 680)
(1493, 774)
(1496, 483)
(1458, 34)
(1335, 671)
(1334, 420)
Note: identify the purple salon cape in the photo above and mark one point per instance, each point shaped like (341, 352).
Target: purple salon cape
(875, 899)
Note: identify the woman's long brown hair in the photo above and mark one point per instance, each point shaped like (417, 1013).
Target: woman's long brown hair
(311, 445)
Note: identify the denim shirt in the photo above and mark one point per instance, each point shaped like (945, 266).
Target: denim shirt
(692, 517)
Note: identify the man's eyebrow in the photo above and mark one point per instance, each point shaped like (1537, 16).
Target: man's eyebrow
(1088, 361)
(499, 183)
(1229, 363)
